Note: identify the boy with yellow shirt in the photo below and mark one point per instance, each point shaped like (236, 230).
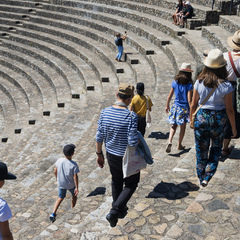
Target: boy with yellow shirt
(139, 106)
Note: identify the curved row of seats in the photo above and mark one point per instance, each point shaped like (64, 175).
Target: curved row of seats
(53, 47)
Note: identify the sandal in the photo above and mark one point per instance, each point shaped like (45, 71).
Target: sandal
(181, 147)
(168, 148)
(227, 152)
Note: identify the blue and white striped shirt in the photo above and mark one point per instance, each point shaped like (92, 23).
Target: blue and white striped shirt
(117, 127)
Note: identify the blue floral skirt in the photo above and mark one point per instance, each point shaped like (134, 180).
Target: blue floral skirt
(179, 115)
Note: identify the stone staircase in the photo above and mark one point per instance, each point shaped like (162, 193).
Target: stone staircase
(58, 72)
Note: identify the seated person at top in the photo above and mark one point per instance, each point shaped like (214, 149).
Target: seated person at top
(180, 14)
(178, 10)
(187, 14)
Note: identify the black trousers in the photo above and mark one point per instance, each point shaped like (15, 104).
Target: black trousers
(141, 125)
(122, 188)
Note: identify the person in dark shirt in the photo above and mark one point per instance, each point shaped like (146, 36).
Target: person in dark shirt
(188, 13)
(178, 10)
(119, 44)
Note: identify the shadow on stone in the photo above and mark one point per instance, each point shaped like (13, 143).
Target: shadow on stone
(172, 191)
(97, 191)
(234, 154)
(158, 135)
(185, 150)
(125, 57)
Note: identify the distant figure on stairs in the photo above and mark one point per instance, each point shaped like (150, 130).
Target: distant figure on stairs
(66, 171)
(179, 114)
(5, 211)
(119, 44)
(188, 13)
(178, 10)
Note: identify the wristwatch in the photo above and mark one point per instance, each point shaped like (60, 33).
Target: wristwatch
(99, 154)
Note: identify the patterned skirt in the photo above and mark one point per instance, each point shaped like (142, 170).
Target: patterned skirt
(179, 115)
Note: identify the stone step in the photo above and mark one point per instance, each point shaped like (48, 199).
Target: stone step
(43, 80)
(18, 95)
(195, 44)
(163, 9)
(177, 57)
(71, 82)
(19, 44)
(34, 98)
(9, 114)
(32, 76)
(230, 23)
(217, 36)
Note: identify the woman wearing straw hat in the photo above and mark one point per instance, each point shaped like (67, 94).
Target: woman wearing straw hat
(211, 119)
(179, 114)
(233, 68)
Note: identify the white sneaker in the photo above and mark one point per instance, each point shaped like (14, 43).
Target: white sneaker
(204, 183)
(168, 148)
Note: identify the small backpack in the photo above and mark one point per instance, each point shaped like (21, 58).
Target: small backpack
(116, 42)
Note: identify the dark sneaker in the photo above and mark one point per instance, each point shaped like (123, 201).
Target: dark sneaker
(52, 217)
(112, 219)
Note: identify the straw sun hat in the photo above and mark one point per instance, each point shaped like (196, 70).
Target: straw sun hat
(215, 59)
(234, 41)
(186, 67)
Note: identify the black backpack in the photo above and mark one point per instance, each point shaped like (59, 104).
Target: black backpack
(116, 42)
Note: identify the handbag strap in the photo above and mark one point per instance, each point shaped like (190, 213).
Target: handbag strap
(205, 100)
(147, 101)
(233, 65)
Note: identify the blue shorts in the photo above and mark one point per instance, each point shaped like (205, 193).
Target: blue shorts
(62, 192)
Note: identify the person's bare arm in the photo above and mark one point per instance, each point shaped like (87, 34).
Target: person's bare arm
(55, 172)
(76, 184)
(189, 96)
(5, 231)
(100, 156)
(124, 36)
(194, 103)
(230, 112)
(168, 100)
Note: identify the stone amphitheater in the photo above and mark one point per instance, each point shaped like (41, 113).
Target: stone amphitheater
(57, 73)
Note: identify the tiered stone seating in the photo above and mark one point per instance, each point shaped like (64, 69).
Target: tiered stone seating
(165, 9)
(64, 48)
(230, 23)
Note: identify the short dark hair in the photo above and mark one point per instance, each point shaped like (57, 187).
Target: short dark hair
(210, 76)
(123, 96)
(118, 34)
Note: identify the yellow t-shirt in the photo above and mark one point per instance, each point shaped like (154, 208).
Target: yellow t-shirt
(139, 104)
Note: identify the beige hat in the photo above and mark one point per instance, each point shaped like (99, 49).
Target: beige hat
(186, 67)
(234, 41)
(215, 59)
(126, 89)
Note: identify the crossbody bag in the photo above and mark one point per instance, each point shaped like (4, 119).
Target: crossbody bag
(204, 101)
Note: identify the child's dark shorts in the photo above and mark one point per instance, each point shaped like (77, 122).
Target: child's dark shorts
(62, 192)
